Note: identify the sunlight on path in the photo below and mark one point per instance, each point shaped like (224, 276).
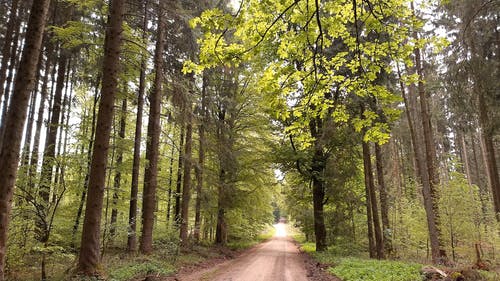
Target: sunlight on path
(280, 230)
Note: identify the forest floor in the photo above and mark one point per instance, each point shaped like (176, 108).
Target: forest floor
(277, 259)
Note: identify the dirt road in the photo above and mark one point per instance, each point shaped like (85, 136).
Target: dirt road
(275, 260)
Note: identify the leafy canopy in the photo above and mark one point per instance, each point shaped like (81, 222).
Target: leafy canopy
(313, 59)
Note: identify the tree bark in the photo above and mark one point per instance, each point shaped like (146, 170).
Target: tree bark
(118, 173)
(372, 249)
(170, 177)
(41, 109)
(318, 166)
(379, 241)
(89, 257)
(186, 184)
(153, 140)
(489, 152)
(437, 245)
(132, 216)
(201, 159)
(16, 117)
(384, 208)
(221, 228)
(89, 162)
(49, 153)
(178, 189)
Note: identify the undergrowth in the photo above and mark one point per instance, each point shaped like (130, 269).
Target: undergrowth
(347, 264)
(144, 268)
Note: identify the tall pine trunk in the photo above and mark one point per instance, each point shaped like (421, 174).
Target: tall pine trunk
(49, 153)
(153, 140)
(430, 158)
(83, 196)
(201, 159)
(178, 183)
(118, 173)
(132, 215)
(186, 184)
(170, 177)
(39, 121)
(89, 257)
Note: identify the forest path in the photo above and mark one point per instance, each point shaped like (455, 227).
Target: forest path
(277, 259)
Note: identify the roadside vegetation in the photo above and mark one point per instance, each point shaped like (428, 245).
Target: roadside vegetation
(351, 264)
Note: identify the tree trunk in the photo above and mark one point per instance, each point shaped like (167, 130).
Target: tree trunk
(49, 153)
(201, 160)
(186, 184)
(465, 156)
(177, 211)
(483, 190)
(132, 216)
(221, 228)
(89, 162)
(489, 153)
(372, 249)
(25, 159)
(153, 140)
(384, 208)
(39, 122)
(318, 166)
(379, 241)
(170, 177)
(89, 257)
(63, 130)
(16, 117)
(118, 173)
(437, 245)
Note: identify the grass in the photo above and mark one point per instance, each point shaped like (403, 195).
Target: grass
(356, 269)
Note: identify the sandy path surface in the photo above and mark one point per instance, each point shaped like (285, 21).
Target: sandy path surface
(275, 260)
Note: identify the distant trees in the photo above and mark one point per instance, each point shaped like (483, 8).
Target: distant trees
(475, 61)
